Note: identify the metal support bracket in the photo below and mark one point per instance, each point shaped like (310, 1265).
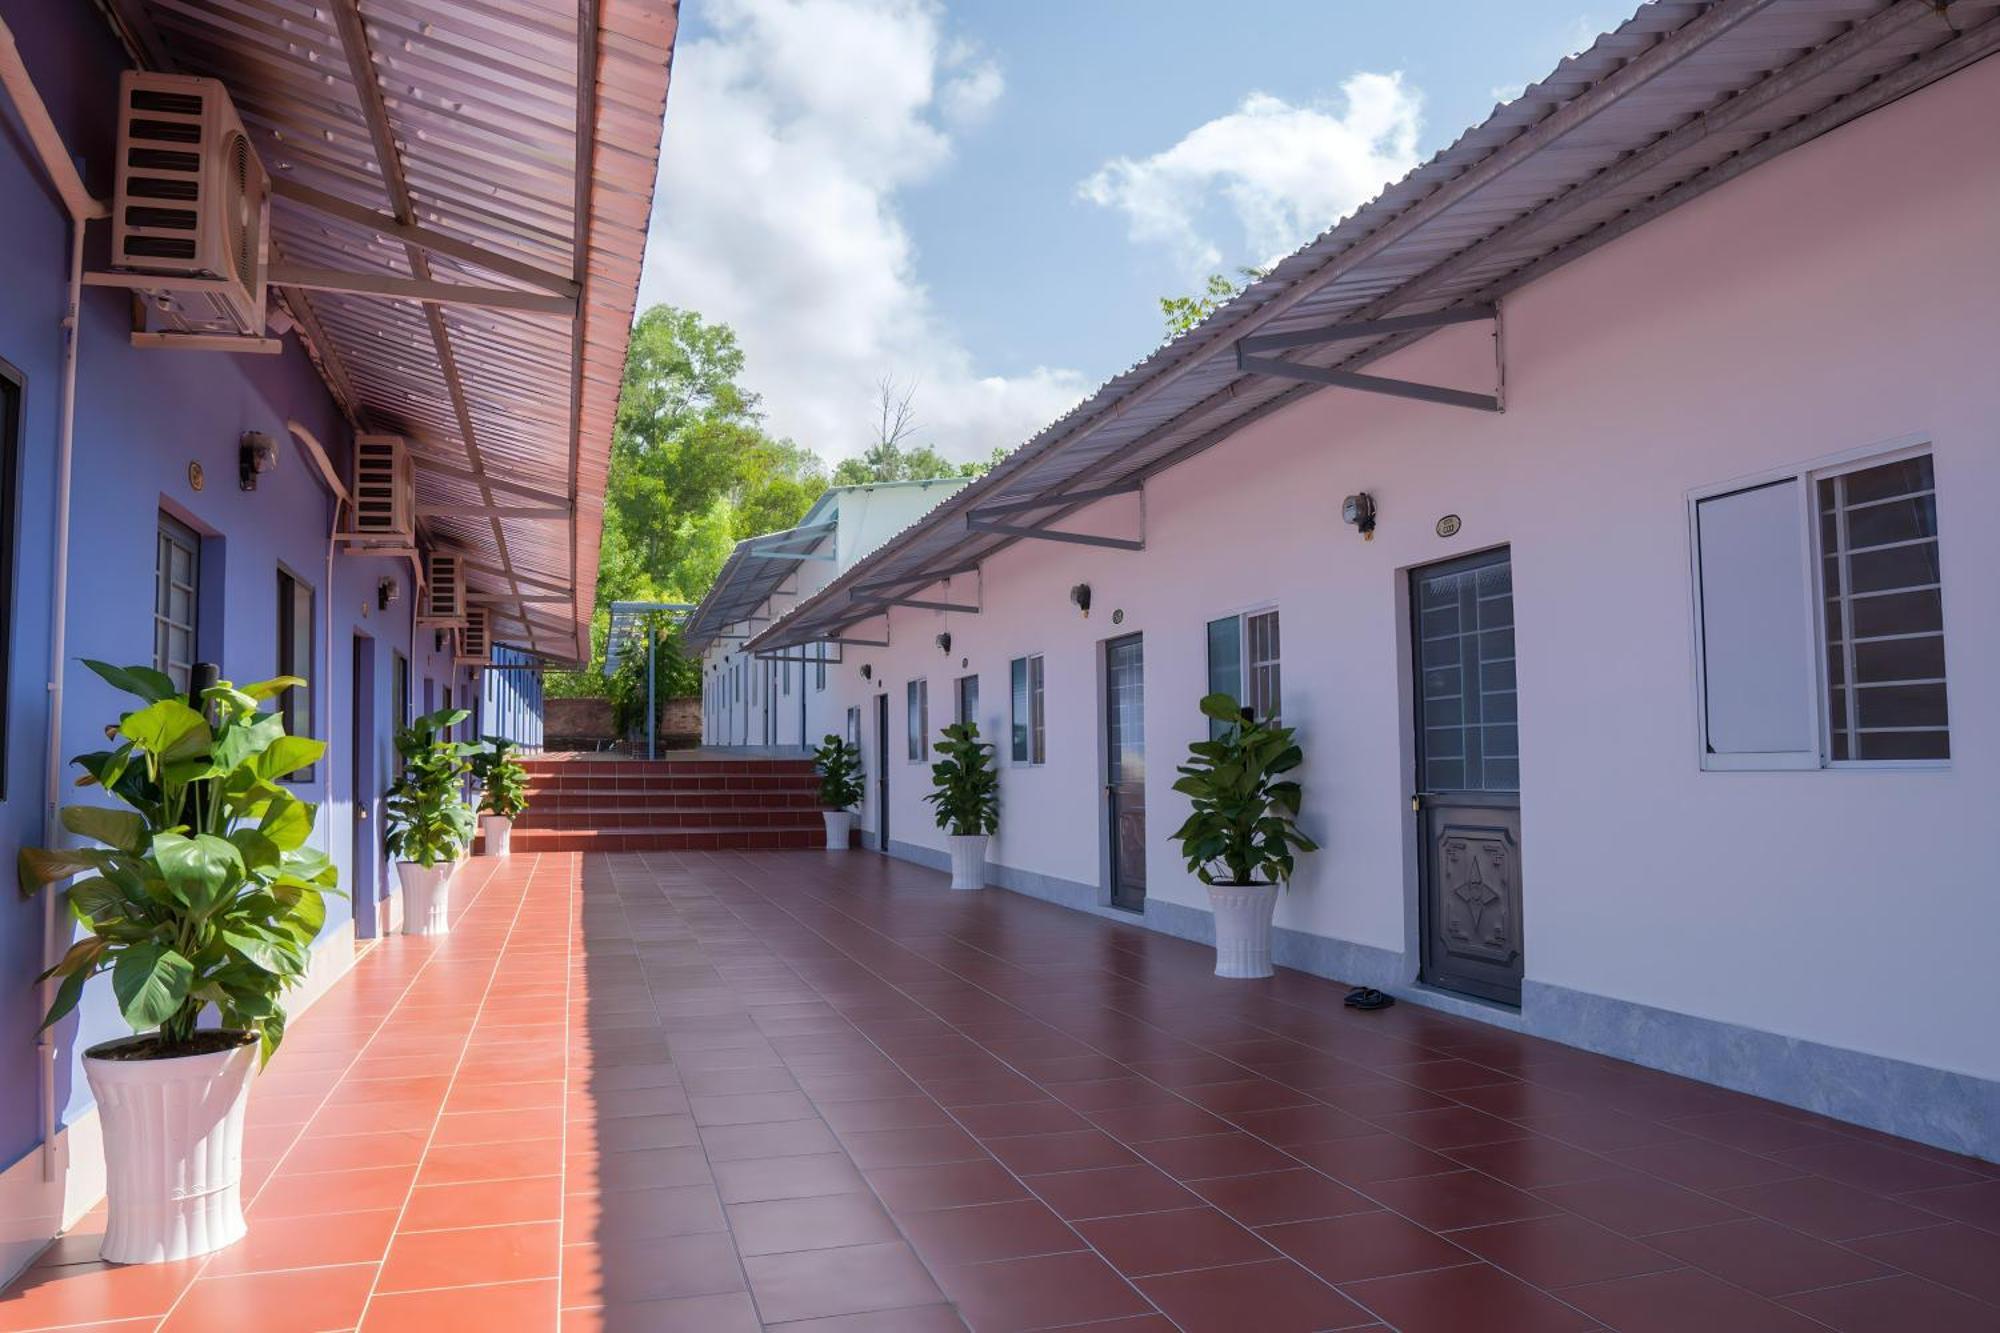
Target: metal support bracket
(1250, 362)
(1049, 500)
(919, 604)
(977, 524)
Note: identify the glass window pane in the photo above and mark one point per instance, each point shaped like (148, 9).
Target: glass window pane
(1017, 688)
(1885, 655)
(1038, 752)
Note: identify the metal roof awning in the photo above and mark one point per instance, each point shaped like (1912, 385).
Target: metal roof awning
(628, 626)
(461, 194)
(1680, 99)
(755, 571)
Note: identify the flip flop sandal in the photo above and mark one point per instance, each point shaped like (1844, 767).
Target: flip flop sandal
(1370, 999)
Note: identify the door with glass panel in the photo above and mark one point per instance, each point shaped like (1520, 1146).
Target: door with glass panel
(1125, 770)
(1468, 797)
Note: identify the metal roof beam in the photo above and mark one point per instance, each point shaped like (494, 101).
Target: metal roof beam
(978, 524)
(919, 604)
(426, 290)
(1347, 379)
(444, 467)
(1366, 328)
(1048, 499)
(319, 201)
(490, 510)
(914, 581)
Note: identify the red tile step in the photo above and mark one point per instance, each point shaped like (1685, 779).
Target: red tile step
(667, 840)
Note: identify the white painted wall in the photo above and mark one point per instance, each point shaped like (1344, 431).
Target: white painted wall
(769, 709)
(1844, 296)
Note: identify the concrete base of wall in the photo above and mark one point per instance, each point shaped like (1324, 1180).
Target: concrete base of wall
(1956, 1112)
(34, 1210)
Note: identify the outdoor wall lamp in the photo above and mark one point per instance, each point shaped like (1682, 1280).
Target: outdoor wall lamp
(1080, 594)
(386, 593)
(255, 455)
(867, 672)
(1358, 511)
(944, 643)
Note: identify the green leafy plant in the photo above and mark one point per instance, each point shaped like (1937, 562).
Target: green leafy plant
(965, 789)
(503, 783)
(201, 890)
(429, 820)
(838, 763)
(1242, 829)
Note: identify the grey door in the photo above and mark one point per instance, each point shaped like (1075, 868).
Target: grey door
(882, 773)
(1125, 770)
(365, 860)
(1468, 796)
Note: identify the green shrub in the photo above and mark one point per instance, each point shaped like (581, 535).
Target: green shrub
(203, 891)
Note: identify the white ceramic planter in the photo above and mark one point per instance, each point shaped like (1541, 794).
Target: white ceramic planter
(839, 829)
(426, 897)
(173, 1152)
(968, 860)
(498, 830)
(1243, 928)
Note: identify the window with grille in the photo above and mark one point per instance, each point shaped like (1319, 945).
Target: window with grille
(1029, 744)
(917, 719)
(295, 658)
(1883, 613)
(968, 699)
(176, 599)
(1243, 654)
(1821, 618)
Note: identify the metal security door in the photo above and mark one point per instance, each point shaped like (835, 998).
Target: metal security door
(1125, 770)
(1468, 797)
(882, 773)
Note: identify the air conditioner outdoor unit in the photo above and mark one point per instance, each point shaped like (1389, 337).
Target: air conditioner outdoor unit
(474, 641)
(192, 203)
(383, 483)
(443, 602)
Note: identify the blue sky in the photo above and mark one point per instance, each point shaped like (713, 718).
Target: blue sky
(984, 199)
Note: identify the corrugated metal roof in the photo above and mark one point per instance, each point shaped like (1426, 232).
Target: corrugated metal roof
(1679, 99)
(757, 566)
(529, 129)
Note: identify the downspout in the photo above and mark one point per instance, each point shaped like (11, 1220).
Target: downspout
(82, 206)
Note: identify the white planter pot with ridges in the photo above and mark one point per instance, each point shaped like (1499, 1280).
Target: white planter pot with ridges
(839, 829)
(173, 1151)
(498, 830)
(1243, 928)
(968, 860)
(426, 897)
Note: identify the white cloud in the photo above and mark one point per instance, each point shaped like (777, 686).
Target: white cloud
(1285, 172)
(790, 131)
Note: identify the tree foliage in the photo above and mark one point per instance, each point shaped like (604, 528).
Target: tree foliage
(1182, 313)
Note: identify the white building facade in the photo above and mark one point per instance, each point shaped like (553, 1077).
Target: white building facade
(782, 699)
(1650, 716)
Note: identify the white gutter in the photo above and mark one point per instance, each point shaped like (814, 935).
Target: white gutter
(82, 206)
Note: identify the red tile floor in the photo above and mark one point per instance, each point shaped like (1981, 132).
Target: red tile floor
(722, 1091)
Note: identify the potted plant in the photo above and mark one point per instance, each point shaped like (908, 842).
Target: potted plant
(201, 895)
(1241, 834)
(503, 785)
(965, 792)
(838, 763)
(429, 822)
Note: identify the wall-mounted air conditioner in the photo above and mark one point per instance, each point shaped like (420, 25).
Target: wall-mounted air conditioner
(192, 202)
(474, 642)
(383, 483)
(442, 605)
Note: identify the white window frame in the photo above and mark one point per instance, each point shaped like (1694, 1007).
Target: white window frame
(1241, 615)
(1035, 733)
(1807, 475)
(917, 741)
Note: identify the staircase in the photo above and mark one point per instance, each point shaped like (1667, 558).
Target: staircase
(705, 802)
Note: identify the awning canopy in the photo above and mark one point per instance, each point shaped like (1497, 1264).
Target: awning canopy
(433, 145)
(753, 574)
(1681, 98)
(627, 631)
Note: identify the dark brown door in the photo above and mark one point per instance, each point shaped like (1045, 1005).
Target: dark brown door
(1468, 795)
(1125, 769)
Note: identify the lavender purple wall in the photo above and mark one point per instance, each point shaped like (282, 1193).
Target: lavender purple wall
(142, 418)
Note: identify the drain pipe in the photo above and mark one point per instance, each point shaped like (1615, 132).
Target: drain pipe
(81, 206)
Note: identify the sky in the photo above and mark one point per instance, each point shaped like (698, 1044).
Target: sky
(982, 201)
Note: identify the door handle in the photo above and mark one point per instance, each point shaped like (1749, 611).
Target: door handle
(1416, 802)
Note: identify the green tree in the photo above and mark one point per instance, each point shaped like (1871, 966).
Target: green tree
(894, 456)
(693, 471)
(1182, 313)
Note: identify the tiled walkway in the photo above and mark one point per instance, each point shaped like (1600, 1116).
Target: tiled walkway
(713, 1092)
